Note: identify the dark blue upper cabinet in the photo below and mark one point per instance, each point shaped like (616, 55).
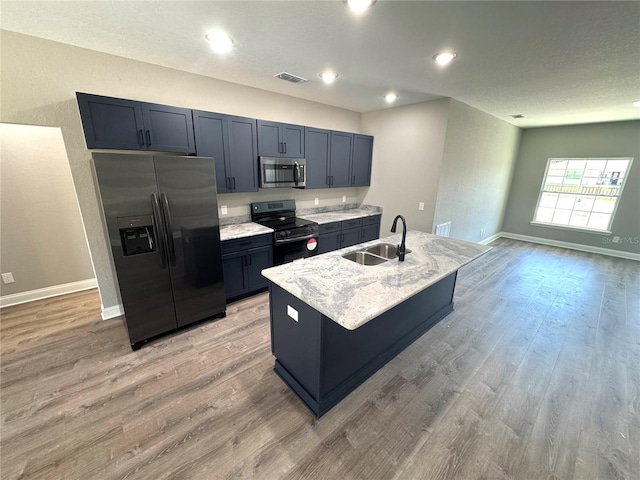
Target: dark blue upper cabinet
(317, 145)
(168, 129)
(340, 159)
(280, 140)
(111, 122)
(232, 142)
(243, 153)
(361, 160)
(212, 142)
(115, 123)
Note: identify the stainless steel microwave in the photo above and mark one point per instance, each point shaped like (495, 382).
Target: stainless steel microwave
(282, 172)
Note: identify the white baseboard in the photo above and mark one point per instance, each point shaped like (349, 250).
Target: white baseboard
(112, 312)
(42, 293)
(490, 239)
(571, 246)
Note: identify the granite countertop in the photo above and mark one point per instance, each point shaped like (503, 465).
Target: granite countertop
(352, 294)
(339, 215)
(241, 230)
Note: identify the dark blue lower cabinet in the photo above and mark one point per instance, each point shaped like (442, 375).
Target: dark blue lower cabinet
(322, 362)
(242, 262)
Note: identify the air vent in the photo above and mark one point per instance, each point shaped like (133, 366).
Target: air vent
(290, 77)
(517, 115)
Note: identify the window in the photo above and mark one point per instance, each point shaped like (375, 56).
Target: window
(581, 193)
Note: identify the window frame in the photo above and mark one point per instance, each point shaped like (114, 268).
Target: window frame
(541, 191)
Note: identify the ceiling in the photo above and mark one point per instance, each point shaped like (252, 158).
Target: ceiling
(554, 62)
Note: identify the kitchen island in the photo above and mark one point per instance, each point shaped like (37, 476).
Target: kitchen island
(335, 322)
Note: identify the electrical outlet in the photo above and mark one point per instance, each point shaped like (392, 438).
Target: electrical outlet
(482, 232)
(223, 209)
(7, 277)
(344, 198)
(616, 239)
(316, 201)
(421, 206)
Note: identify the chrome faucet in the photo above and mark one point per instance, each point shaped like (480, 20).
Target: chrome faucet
(402, 247)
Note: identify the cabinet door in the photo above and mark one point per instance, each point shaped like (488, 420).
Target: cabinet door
(350, 237)
(293, 140)
(370, 232)
(329, 242)
(317, 144)
(269, 142)
(259, 259)
(236, 280)
(243, 154)
(211, 142)
(111, 122)
(340, 161)
(361, 160)
(168, 129)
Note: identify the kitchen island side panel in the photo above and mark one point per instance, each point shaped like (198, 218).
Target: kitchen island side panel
(323, 362)
(296, 338)
(345, 352)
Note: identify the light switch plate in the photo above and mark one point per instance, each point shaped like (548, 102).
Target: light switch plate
(223, 209)
(421, 206)
(316, 201)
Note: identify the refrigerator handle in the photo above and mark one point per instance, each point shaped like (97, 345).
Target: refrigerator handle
(159, 231)
(168, 229)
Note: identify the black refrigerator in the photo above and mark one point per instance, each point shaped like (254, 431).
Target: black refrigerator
(162, 220)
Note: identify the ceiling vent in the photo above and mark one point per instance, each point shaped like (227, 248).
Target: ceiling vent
(290, 77)
(517, 115)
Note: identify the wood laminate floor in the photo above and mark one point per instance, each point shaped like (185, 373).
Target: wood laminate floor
(535, 375)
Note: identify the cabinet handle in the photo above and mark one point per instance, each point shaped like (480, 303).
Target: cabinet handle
(234, 182)
(285, 147)
(353, 179)
(140, 138)
(280, 147)
(227, 183)
(248, 260)
(331, 179)
(148, 137)
(328, 180)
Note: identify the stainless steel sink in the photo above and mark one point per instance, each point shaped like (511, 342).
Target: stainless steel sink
(364, 258)
(385, 250)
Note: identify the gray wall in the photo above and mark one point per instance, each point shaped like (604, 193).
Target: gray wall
(41, 235)
(479, 157)
(407, 158)
(38, 81)
(619, 139)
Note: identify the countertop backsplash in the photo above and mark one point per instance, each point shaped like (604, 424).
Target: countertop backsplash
(226, 220)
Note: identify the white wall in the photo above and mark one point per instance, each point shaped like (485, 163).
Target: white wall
(42, 240)
(478, 161)
(39, 79)
(407, 156)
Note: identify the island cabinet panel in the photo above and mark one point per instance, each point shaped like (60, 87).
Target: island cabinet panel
(335, 235)
(371, 228)
(322, 362)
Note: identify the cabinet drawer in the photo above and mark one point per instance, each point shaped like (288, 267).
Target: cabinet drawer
(372, 220)
(246, 243)
(356, 222)
(329, 227)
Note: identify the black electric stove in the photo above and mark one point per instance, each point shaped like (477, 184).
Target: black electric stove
(294, 238)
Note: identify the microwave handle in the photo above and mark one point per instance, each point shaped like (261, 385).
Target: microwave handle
(296, 172)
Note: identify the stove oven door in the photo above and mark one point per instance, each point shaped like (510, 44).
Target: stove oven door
(292, 249)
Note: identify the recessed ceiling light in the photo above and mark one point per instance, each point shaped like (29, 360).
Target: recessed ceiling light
(328, 77)
(220, 42)
(390, 97)
(636, 103)
(517, 115)
(444, 58)
(359, 6)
